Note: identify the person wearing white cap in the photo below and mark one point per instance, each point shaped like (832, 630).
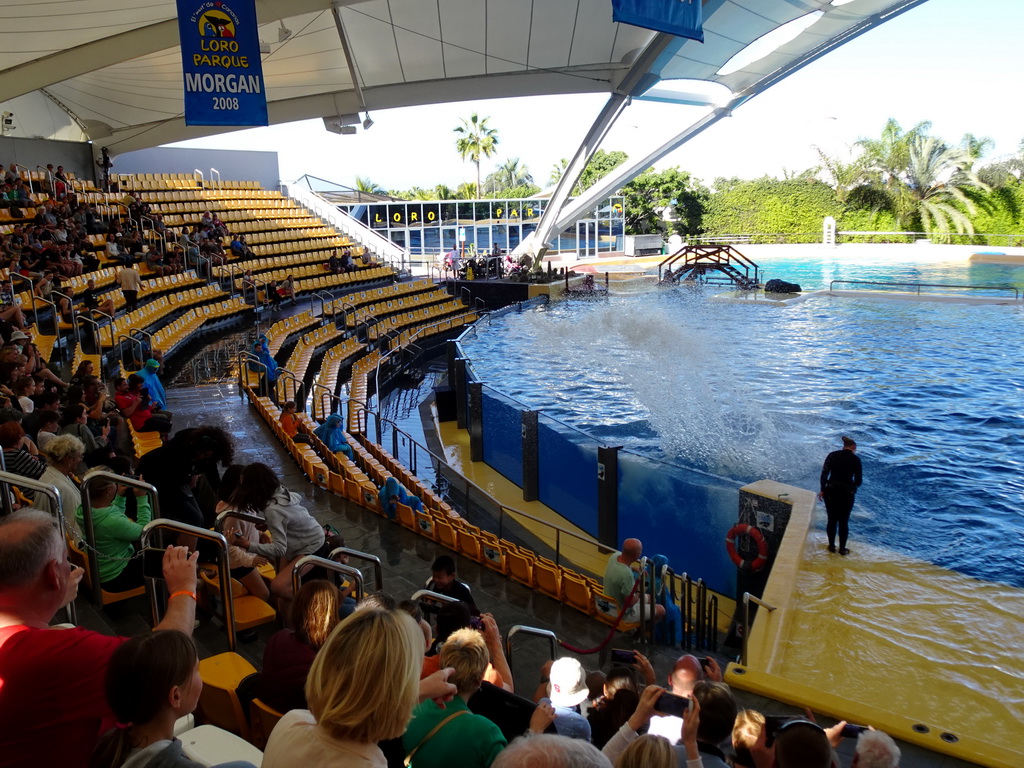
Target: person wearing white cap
(567, 689)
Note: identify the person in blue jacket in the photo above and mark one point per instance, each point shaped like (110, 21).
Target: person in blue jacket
(332, 434)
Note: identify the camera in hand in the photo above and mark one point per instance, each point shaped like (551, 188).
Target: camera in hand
(153, 563)
(622, 656)
(851, 731)
(670, 704)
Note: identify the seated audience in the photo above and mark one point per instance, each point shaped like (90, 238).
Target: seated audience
(550, 751)
(151, 381)
(292, 424)
(289, 654)
(264, 363)
(746, 731)
(876, 750)
(151, 681)
(639, 720)
(648, 752)
(434, 736)
(455, 616)
(116, 534)
(48, 422)
(43, 668)
(620, 581)
(362, 688)
(442, 580)
(686, 673)
(393, 494)
(63, 455)
(244, 565)
(621, 694)
(332, 434)
(294, 532)
(20, 454)
(567, 689)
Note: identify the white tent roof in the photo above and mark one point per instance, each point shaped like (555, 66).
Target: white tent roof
(111, 71)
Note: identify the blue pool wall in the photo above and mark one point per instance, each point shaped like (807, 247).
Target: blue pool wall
(678, 512)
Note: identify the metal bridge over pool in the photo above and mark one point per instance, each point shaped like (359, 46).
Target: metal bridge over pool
(710, 265)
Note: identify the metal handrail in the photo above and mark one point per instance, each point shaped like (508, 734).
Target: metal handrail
(503, 509)
(747, 600)
(429, 595)
(323, 302)
(284, 375)
(28, 178)
(71, 310)
(89, 531)
(133, 342)
(215, 171)
(246, 359)
(96, 327)
(330, 565)
(525, 630)
(919, 286)
(378, 569)
(223, 568)
(7, 479)
(318, 401)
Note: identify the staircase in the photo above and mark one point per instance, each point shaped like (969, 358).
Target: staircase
(710, 265)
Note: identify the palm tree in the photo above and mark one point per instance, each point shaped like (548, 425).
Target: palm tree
(843, 176)
(443, 192)
(514, 174)
(557, 170)
(976, 147)
(887, 157)
(937, 184)
(476, 140)
(364, 184)
(467, 190)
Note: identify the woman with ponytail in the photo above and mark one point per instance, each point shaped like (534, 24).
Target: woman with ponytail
(152, 680)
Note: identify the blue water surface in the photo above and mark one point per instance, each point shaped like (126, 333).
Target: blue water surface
(933, 394)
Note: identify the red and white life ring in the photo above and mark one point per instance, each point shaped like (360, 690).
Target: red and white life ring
(748, 566)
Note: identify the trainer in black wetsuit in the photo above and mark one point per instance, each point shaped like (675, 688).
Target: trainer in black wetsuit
(840, 479)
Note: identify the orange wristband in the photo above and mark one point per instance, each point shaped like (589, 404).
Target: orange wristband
(183, 592)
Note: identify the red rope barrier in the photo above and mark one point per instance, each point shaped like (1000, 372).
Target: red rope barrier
(611, 632)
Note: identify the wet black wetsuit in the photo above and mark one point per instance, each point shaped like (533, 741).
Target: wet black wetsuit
(840, 479)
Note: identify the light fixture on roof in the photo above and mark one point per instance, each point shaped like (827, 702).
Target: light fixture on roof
(343, 124)
(837, 3)
(769, 43)
(367, 123)
(283, 33)
(7, 124)
(264, 48)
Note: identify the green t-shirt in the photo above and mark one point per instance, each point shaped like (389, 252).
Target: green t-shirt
(618, 580)
(468, 741)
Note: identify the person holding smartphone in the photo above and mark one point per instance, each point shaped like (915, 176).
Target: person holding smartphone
(651, 703)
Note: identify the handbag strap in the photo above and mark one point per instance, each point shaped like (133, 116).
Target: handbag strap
(433, 732)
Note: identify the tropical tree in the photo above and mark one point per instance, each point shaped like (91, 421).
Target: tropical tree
(476, 140)
(364, 184)
(652, 192)
(887, 157)
(513, 173)
(467, 190)
(600, 165)
(843, 176)
(976, 147)
(443, 192)
(938, 183)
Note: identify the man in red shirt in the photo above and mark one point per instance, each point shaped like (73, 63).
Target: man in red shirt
(52, 703)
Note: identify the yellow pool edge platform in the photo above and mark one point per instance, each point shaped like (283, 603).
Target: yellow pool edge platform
(769, 636)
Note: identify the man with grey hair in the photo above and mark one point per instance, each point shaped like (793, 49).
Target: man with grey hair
(876, 750)
(550, 751)
(52, 701)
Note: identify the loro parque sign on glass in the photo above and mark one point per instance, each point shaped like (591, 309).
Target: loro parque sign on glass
(220, 61)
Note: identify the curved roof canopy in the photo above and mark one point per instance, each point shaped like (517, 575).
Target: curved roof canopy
(110, 70)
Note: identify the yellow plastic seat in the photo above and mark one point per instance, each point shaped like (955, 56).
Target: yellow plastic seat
(77, 556)
(547, 578)
(576, 591)
(262, 719)
(606, 610)
(218, 702)
(519, 563)
(406, 516)
(469, 542)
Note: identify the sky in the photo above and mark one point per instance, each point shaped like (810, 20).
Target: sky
(958, 64)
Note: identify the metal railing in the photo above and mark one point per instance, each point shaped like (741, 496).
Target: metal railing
(747, 600)
(329, 565)
(284, 378)
(428, 596)
(355, 554)
(522, 629)
(7, 479)
(223, 568)
(71, 311)
(89, 532)
(245, 360)
(393, 254)
(919, 286)
(133, 344)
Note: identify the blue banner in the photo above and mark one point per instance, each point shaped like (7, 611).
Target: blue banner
(220, 60)
(682, 18)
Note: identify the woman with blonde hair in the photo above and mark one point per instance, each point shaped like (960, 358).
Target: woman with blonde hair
(648, 752)
(361, 689)
(745, 733)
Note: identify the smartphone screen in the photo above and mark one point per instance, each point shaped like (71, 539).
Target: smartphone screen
(670, 704)
(620, 656)
(153, 563)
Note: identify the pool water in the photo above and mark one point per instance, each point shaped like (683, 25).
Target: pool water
(933, 394)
